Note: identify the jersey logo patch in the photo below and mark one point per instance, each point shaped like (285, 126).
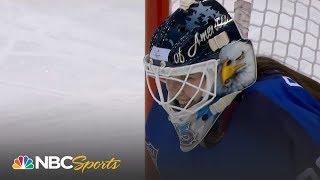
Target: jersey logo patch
(290, 82)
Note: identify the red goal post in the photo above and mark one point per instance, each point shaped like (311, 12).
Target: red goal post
(155, 12)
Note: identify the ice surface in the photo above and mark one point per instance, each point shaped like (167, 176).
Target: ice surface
(71, 75)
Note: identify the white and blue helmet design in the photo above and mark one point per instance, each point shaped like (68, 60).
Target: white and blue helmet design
(201, 40)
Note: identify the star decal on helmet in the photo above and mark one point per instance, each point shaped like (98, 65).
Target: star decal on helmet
(201, 16)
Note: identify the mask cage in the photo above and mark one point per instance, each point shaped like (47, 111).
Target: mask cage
(160, 76)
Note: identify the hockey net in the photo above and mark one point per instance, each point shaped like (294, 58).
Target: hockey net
(285, 30)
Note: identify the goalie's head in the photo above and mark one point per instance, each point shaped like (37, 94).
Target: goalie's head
(197, 63)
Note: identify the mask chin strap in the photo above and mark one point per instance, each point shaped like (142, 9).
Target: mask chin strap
(222, 103)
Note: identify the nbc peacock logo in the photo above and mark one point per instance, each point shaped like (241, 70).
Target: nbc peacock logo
(23, 162)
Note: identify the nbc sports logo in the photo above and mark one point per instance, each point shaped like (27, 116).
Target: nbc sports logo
(78, 163)
(23, 162)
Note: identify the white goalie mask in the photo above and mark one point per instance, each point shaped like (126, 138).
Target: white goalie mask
(197, 64)
(195, 95)
(172, 84)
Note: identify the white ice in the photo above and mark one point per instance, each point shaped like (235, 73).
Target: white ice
(71, 76)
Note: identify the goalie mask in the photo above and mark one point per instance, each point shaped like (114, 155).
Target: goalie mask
(196, 66)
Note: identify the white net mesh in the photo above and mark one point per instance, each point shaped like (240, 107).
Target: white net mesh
(286, 30)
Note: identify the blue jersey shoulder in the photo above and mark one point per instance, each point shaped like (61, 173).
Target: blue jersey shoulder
(294, 99)
(277, 118)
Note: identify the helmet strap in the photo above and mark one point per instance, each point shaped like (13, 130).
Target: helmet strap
(222, 103)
